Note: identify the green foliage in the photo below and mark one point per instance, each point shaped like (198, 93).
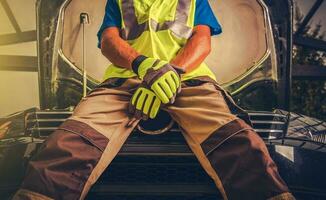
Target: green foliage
(309, 96)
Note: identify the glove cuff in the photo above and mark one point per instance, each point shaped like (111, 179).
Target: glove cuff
(148, 63)
(180, 70)
(136, 63)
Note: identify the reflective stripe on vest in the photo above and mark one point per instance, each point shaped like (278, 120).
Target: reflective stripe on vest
(133, 30)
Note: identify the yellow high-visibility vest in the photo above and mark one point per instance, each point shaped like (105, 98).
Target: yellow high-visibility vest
(157, 29)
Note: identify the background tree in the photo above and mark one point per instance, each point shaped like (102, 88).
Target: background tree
(309, 96)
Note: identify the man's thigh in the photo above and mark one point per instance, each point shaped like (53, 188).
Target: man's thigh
(200, 109)
(106, 107)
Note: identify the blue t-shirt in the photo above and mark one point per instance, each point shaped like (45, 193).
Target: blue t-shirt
(203, 16)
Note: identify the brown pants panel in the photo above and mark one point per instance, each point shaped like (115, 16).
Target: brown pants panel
(243, 163)
(64, 162)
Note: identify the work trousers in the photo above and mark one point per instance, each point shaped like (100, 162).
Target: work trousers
(72, 158)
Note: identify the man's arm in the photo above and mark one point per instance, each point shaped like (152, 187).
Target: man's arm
(120, 53)
(117, 50)
(196, 49)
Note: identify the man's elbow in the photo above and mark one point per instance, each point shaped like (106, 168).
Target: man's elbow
(107, 39)
(103, 47)
(105, 50)
(202, 36)
(206, 47)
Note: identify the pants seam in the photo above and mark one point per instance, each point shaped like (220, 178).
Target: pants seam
(218, 145)
(83, 136)
(85, 190)
(200, 154)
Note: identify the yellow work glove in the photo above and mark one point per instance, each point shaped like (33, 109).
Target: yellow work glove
(144, 103)
(160, 76)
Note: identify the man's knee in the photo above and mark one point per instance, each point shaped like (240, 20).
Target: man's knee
(64, 162)
(242, 161)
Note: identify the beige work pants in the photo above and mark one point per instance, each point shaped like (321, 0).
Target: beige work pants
(72, 158)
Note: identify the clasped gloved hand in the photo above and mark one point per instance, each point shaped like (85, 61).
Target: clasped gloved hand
(160, 76)
(144, 103)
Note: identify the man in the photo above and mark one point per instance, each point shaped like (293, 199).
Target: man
(157, 48)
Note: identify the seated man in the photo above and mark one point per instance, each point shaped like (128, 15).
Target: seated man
(157, 49)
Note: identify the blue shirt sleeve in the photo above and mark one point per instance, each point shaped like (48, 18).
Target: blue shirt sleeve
(204, 15)
(112, 18)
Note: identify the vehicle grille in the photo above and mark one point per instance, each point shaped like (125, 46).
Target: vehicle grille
(273, 127)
